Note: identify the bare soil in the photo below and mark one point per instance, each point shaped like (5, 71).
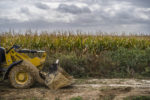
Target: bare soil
(87, 89)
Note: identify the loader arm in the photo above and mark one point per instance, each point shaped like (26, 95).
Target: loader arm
(13, 56)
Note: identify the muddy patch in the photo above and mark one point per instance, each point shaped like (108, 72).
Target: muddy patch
(84, 89)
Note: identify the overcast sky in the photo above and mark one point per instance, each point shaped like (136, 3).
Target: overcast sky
(86, 15)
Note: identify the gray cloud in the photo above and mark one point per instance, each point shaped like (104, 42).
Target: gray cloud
(140, 3)
(25, 10)
(72, 9)
(41, 6)
(104, 15)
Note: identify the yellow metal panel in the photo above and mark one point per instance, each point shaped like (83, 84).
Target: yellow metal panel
(15, 56)
(36, 61)
(8, 59)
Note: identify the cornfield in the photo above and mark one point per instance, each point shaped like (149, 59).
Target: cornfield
(74, 43)
(84, 55)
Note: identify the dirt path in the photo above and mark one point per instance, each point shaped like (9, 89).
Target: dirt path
(89, 89)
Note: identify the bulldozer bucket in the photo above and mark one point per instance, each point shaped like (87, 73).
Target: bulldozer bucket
(58, 78)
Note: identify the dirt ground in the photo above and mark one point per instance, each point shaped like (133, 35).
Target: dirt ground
(83, 89)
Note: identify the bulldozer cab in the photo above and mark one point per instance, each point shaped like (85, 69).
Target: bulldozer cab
(2, 57)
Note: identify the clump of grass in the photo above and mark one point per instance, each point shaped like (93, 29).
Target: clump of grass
(107, 97)
(76, 98)
(57, 98)
(137, 98)
(34, 98)
(120, 63)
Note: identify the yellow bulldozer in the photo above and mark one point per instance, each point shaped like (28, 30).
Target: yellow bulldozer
(23, 71)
